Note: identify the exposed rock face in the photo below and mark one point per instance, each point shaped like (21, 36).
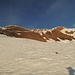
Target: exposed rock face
(38, 34)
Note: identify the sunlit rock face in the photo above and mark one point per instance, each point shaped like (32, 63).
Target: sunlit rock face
(57, 34)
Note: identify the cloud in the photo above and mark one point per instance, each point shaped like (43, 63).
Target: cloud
(73, 25)
(57, 5)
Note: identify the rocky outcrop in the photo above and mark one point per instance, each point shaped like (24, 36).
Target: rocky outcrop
(37, 34)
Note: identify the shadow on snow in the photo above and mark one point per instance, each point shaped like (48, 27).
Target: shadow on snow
(71, 71)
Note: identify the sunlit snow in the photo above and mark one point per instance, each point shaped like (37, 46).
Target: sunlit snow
(29, 57)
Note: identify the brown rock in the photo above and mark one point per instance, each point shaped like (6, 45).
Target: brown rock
(20, 32)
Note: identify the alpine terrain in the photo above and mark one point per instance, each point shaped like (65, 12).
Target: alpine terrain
(34, 51)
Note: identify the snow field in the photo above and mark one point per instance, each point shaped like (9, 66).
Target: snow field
(29, 57)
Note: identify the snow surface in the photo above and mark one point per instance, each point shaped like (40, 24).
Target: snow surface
(69, 30)
(19, 33)
(3, 28)
(41, 30)
(29, 57)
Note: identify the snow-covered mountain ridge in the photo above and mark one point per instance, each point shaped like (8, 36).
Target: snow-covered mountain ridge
(57, 34)
(31, 57)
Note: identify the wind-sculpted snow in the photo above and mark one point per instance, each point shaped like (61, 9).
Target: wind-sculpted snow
(20, 56)
(58, 33)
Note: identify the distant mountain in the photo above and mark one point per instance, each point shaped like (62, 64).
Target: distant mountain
(58, 33)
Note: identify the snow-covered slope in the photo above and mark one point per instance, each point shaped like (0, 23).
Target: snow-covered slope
(69, 31)
(20, 56)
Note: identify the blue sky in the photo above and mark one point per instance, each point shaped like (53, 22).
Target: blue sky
(37, 13)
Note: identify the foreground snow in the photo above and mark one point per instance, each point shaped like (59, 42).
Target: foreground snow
(29, 57)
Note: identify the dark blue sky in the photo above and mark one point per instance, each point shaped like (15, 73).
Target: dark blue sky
(37, 13)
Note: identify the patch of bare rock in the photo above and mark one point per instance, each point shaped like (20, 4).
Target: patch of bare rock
(20, 32)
